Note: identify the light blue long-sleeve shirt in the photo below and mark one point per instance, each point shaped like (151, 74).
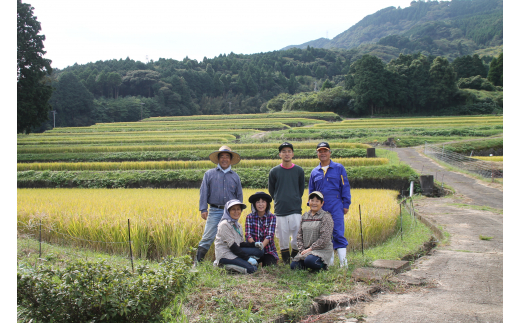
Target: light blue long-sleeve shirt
(218, 187)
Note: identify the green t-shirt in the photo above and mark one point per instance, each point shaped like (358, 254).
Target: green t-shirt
(286, 187)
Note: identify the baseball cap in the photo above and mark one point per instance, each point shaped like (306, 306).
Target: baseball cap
(323, 144)
(317, 194)
(285, 144)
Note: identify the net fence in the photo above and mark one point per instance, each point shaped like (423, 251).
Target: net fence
(480, 167)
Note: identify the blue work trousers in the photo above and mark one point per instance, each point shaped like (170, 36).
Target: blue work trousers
(211, 228)
(338, 234)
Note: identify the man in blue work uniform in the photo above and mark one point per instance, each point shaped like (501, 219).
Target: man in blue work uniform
(331, 180)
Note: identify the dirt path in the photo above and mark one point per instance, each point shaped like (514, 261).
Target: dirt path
(479, 192)
(467, 272)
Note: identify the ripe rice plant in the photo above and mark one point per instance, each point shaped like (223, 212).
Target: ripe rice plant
(164, 221)
(490, 158)
(108, 140)
(92, 132)
(36, 149)
(179, 164)
(413, 122)
(209, 122)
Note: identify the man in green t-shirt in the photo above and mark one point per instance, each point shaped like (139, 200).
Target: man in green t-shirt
(286, 186)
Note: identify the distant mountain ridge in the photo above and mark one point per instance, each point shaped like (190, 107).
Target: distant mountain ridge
(435, 28)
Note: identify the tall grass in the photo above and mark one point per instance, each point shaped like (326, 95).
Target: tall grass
(179, 164)
(164, 221)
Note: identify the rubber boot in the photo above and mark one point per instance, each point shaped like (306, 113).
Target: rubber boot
(342, 255)
(294, 252)
(235, 268)
(201, 252)
(286, 256)
(332, 259)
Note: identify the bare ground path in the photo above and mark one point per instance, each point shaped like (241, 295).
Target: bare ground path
(466, 273)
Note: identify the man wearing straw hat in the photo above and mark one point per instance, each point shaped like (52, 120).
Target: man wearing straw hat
(219, 185)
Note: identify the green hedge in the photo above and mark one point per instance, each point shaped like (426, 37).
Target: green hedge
(387, 176)
(477, 145)
(96, 292)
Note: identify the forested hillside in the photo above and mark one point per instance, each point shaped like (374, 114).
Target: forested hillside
(344, 81)
(445, 28)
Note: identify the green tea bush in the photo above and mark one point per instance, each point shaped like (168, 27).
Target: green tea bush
(256, 177)
(96, 292)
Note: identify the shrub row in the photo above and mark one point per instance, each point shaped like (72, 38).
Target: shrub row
(160, 127)
(96, 292)
(208, 122)
(386, 176)
(192, 155)
(495, 144)
(329, 116)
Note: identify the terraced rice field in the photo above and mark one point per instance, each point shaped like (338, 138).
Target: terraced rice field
(173, 151)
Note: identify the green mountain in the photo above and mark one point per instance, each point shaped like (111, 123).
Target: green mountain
(447, 28)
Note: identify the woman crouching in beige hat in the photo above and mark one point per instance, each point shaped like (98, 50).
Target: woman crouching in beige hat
(230, 248)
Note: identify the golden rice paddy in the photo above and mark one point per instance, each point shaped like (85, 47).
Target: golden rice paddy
(164, 221)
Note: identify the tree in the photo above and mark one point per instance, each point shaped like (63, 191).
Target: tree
(73, 102)
(467, 66)
(114, 80)
(326, 85)
(33, 85)
(496, 71)
(370, 86)
(442, 83)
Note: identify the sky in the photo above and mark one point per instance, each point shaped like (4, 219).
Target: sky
(88, 31)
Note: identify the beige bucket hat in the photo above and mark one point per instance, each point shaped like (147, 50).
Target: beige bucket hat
(235, 157)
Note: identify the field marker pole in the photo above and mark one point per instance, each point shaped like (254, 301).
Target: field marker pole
(40, 239)
(361, 229)
(130, 245)
(413, 211)
(401, 216)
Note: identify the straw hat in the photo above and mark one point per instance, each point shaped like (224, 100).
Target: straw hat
(235, 158)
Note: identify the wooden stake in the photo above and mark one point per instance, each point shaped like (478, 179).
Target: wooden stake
(361, 229)
(130, 245)
(40, 239)
(401, 216)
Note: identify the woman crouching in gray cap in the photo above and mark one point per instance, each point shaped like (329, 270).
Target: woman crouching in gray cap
(314, 237)
(230, 248)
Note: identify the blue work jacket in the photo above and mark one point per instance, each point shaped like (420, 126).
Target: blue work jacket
(334, 186)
